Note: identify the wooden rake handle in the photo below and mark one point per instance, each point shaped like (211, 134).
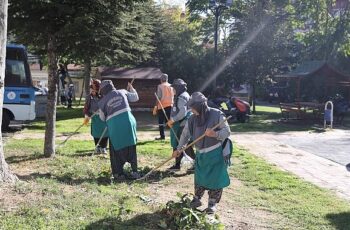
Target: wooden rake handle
(103, 133)
(203, 135)
(188, 146)
(167, 118)
(75, 132)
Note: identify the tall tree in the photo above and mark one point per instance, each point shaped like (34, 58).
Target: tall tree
(79, 28)
(113, 34)
(5, 174)
(180, 47)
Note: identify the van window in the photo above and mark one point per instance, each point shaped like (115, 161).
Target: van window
(15, 74)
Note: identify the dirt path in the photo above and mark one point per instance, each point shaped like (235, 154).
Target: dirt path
(231, 214)
(282, 150)
(141, 135)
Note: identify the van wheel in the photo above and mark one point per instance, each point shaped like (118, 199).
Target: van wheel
(5, 121)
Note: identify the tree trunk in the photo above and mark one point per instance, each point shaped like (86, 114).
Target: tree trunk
(254, 97)
(87, 77)
(5, 174)
(82, 91)
(50, 131)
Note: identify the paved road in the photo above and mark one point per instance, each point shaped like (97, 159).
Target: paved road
(315, 157)
(332, 145)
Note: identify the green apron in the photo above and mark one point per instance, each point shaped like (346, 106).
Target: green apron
(178, 130)
(122, 130)
(97, 127)
(211, 170)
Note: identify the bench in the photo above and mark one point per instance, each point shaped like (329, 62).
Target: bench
(287, 109)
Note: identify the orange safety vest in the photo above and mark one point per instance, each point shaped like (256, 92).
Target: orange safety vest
(167, 95)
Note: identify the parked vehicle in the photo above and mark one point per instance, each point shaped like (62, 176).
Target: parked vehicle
(19, 95)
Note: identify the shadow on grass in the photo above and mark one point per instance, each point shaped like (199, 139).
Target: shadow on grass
(34, 176)
(35, 127)
(158, 176)
(273, 122)
(340, 221)
(81, 153)
(13, 129)
(103, 178)
(150, 142)
(19, 159)
(143, 221)
(264, 121)
(310, 123)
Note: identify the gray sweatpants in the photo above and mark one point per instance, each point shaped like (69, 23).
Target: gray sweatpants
(120, 157)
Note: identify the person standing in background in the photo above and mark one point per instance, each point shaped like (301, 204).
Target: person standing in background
(165, 94)
(178, 118)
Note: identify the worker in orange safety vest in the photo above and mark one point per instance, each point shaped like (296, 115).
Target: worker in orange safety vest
(165, 94)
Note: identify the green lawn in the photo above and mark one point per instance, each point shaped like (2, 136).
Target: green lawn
(67, 120)
(74, 191)
(269, 119)
(266, 119)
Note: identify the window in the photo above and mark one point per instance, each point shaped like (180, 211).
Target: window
(15, 73)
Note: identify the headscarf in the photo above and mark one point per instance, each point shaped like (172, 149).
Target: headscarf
(106, 86)
(95, 84)
(199, 103)
(180, 87)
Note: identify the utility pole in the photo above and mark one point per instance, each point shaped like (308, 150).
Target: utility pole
(217, 7)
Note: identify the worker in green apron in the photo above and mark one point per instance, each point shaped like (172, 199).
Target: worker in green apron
(115, 110)
(97, 125)
(178, 118)
(210, 167)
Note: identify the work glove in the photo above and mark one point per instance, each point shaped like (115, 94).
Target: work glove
(86, 120)
(155, 110)
(170, 123)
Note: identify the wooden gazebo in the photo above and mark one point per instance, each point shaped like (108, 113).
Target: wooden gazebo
(322, 76)
(317, 80)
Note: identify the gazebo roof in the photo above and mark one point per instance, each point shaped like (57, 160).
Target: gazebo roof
(312, 68)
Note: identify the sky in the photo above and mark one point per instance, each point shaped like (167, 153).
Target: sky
(173, 2)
